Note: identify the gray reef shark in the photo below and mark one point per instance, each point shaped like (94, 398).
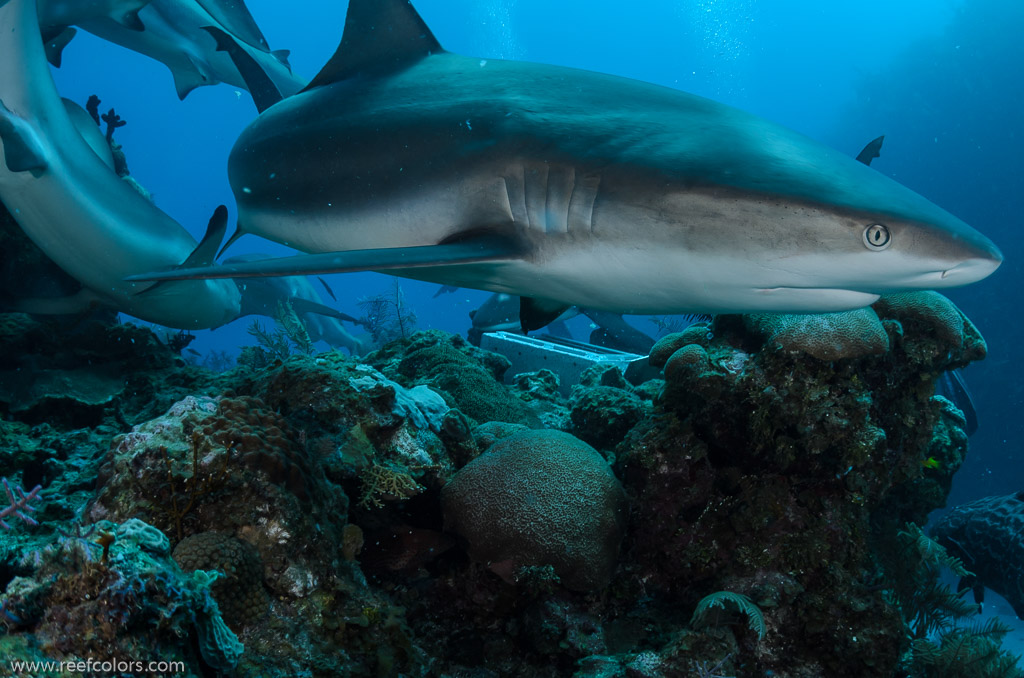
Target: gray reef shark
(173, 33)
(261, 296)
(570, 187)
(89, 221)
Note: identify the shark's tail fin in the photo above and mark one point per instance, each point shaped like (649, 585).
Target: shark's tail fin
(263, 90)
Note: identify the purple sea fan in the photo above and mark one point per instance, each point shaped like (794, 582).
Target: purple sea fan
(20, 502)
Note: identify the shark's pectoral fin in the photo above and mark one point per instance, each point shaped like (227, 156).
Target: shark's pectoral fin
(188, 79)
(380, 37)
(23, 148)
(55, 44)
(871, 151)
(536, 313)
(468, 251)
(301, 305)
(206, 250)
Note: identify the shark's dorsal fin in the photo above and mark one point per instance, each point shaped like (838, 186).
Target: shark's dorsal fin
(871, 151)
(381, 36)
(206, 250)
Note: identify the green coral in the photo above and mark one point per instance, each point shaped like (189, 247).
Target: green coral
(386, 483)
(942, 644)
(728, 600)
(291, 334)
(971, 651)
(387, 316)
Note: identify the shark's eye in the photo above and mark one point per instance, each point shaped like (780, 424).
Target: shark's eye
(877, 237)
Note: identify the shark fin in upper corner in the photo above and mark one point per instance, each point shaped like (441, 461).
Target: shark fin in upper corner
(55, 44)
(262, 89)
(206, 250)
(871, 151)
(467, 251)
(23, 149)
(381, 36)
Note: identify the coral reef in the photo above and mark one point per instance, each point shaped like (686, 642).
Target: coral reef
(757, 511)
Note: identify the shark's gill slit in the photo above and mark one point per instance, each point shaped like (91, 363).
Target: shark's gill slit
(536, 188)
(581, 203)
(561, 181)
(515, 192)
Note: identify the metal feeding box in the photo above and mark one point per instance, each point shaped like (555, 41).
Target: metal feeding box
(565, 357)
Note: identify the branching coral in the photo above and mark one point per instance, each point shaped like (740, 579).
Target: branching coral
(388, 316)
(382, 482)
(20, 502)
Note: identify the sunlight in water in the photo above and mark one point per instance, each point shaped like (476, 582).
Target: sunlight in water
(496, 16)
(723, 29)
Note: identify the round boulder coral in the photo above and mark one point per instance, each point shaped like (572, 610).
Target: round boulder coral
(540, 498)
(239, 592)
(698, 333)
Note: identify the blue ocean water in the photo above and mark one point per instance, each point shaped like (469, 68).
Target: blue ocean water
(942, 79)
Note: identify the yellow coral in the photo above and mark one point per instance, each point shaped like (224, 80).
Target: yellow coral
(384, 483)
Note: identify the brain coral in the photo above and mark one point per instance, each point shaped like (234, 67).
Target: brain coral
(540, 498)
(826, 336)
(934, 314)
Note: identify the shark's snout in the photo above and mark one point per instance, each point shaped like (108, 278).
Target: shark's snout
(972, 270)
(980, 259)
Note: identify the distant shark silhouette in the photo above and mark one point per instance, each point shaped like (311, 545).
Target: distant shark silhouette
(261, 296)
(84, 217)
(568, 187)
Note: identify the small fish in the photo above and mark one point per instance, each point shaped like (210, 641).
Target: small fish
(931, 462)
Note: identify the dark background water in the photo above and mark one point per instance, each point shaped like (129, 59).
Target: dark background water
(942, 79)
